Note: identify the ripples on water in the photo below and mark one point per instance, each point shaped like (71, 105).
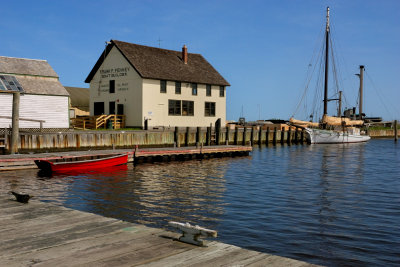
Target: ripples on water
(325, 204)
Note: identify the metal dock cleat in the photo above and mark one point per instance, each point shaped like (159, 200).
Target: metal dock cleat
(192, 233)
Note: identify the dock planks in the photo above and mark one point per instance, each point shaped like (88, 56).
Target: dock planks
(43, 234)
(26, 161)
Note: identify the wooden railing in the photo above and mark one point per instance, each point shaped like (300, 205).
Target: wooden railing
(100, 121)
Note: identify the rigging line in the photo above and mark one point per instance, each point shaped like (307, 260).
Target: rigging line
(309, 78)
(318, 89)
(380, 97)
(310, 75)
(339, 48)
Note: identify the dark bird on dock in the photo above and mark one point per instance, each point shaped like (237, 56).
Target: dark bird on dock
(23, 198)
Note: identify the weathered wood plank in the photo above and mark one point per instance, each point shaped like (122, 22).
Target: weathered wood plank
(277, 261)
(196, 255)
(41, 234)
(236, 257)
(68, 254)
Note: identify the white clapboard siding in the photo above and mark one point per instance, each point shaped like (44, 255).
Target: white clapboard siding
(52, 109)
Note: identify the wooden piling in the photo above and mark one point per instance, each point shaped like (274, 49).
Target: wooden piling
(289, 136)
(15, 123)
(244, 135)
(282, 136)
(198, 134)
(260, 135)
(252, 135)
(267, 136)
(208, 136)
(227, 135)
(395, 131)
(236, 135)
(217, 135)
(187, 136)
(275, 136)
(176, 136)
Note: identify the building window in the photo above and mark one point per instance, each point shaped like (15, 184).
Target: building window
(112, 86)
(194, 88)
(111, 107)
(163, 86)
(178, 86)
(187, 108)
(208, 90)
(174, 107)
(98, 108)
(222, 91)
(209, 109)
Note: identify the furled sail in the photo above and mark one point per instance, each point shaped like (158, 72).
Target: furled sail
(303, 123)
(336, 121)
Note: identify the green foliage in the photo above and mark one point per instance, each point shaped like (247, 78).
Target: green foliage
(382, 128)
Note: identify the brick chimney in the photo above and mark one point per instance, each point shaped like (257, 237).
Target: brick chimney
(184, 54)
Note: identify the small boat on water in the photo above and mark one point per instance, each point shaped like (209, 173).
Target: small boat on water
(83, 163)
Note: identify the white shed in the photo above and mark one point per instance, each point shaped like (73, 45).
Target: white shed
(42, 95)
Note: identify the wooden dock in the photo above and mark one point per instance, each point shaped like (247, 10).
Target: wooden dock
(42, 234)
(137, 155)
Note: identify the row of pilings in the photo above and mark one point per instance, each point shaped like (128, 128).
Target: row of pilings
(178, 136)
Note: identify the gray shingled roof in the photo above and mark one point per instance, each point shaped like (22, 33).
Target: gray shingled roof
(25, 66)
(41, 86)
(35, 76)
(163, 64)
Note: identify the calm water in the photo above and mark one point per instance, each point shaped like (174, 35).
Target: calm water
(325, 204)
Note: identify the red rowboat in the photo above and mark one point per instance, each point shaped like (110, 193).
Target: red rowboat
(83, 163)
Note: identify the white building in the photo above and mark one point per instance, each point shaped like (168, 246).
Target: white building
(42, 97)
(165, 87)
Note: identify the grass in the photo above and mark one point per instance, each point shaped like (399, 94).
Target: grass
(381, 128)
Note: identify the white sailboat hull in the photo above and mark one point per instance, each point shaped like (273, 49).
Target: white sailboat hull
(318, 136)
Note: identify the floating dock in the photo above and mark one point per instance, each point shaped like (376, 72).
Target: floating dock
(43, 234)
(137, 155)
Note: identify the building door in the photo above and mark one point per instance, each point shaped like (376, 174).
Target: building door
(111, 107)
(98, 108)
(120, 109)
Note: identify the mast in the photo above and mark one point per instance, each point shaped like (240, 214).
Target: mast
(340, 105)
(361, 91)
(326, 62)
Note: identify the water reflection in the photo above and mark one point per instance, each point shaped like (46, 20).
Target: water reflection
(325, 204)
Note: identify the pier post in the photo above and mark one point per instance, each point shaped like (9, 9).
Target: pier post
(208, 136)
(227, 135)
(289, 135)
(282, 135)
(176, 136)
(296, 135)
(395, 131)
(244, 135)
(260, 135)
(275, 136)
(236, 135)
(302, 136)
(187, 135)
(217, 135)
(267, 137)
(15, 123)
(198, 134)
(252, 135)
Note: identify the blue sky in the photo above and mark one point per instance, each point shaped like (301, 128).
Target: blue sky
(263, 48)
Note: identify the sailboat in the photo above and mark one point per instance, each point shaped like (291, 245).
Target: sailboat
(331, 130)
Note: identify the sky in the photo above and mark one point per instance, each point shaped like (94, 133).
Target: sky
(264, 49)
